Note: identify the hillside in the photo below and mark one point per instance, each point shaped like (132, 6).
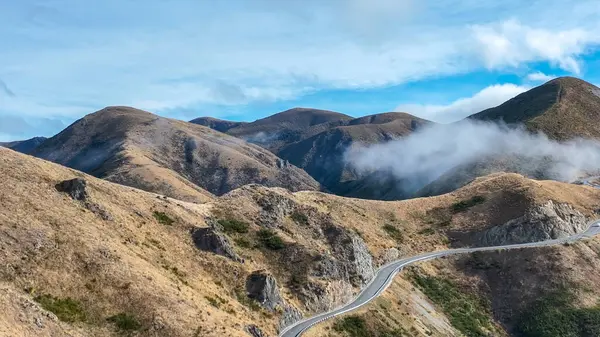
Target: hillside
(563, 108)
(322, 154)
(523, 293)
(110, 260)
(178, 159)
(285, 127)
(216, 124)
(317, 140)
(24, 146)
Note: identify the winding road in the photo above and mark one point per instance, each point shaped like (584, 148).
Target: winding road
(384, 276)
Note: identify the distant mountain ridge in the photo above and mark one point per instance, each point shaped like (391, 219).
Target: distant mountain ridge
(216, 124)
(24, 146)
(171, 157)
(316, 140)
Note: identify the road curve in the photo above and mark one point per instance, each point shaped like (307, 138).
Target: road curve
(384, 276)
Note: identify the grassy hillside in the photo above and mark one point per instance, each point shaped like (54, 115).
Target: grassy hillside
(175, 158)
(564, 108)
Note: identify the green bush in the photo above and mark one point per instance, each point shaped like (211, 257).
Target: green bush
(394, 232)
(233, 226)
(466, 311)
(125, 322)
(241, 296)
(67, 309)
(243, 242)
(270, 239)
(299, 218)
(554, 315)
(463, 205)
(163, 218)
(353, 326)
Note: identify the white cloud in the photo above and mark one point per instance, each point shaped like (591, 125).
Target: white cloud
(488, 97)
(540, 77)
(182, 54)
(511, 44)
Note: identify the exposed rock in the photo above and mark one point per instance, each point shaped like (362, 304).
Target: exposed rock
(390, 254)
(350, 249)
(327, 296)
(99, 211)
(326, 267)
(211, 240)
(544, 222)
(274, 208)
(254, 331)
(282, 163)
(263, 288)
(290, 316)
(74, 188)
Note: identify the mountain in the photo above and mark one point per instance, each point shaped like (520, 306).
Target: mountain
(86, 257)
(285, 127)
(322, 154)
(563, 108)
(171, 157)
(316, 140)
(217, 124)
(25, 146)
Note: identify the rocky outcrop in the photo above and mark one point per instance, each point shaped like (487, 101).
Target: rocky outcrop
(262, 287)
(254, 331)
(274, 208)
(75, 188)
(351, 251)
(290, 316)
(543, 222)
(322, 297)
(210, 239)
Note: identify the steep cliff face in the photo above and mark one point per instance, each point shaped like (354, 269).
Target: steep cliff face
(544, 222)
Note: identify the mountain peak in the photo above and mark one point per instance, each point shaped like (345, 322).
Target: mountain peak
(563, 108)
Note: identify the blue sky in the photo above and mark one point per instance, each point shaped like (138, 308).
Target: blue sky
(245, 59)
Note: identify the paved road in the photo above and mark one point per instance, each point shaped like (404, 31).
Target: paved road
(384, 276)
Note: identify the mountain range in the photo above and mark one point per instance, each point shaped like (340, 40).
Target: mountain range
(131, 224)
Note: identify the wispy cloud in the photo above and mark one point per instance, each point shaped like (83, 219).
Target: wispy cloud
(67, 58)
(540, 77)
(486, 98)
(511, 43)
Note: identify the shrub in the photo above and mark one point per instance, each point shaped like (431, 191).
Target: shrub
(67, 309)
(394, 232)
(466, 311)
(554, 315)
(353, 326)
(299, 218)
(243, 242)
(163, 218)
(233, 226)
(270, 239)
(463, 205)
(125, 322)
(241, 296)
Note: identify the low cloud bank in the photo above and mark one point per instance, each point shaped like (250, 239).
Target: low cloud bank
(432, 151)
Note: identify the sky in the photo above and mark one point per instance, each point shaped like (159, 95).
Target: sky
(246, 59)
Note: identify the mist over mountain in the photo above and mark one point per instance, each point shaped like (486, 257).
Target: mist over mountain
(427, 154)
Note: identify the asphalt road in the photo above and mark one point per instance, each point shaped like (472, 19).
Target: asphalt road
(384, 276)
